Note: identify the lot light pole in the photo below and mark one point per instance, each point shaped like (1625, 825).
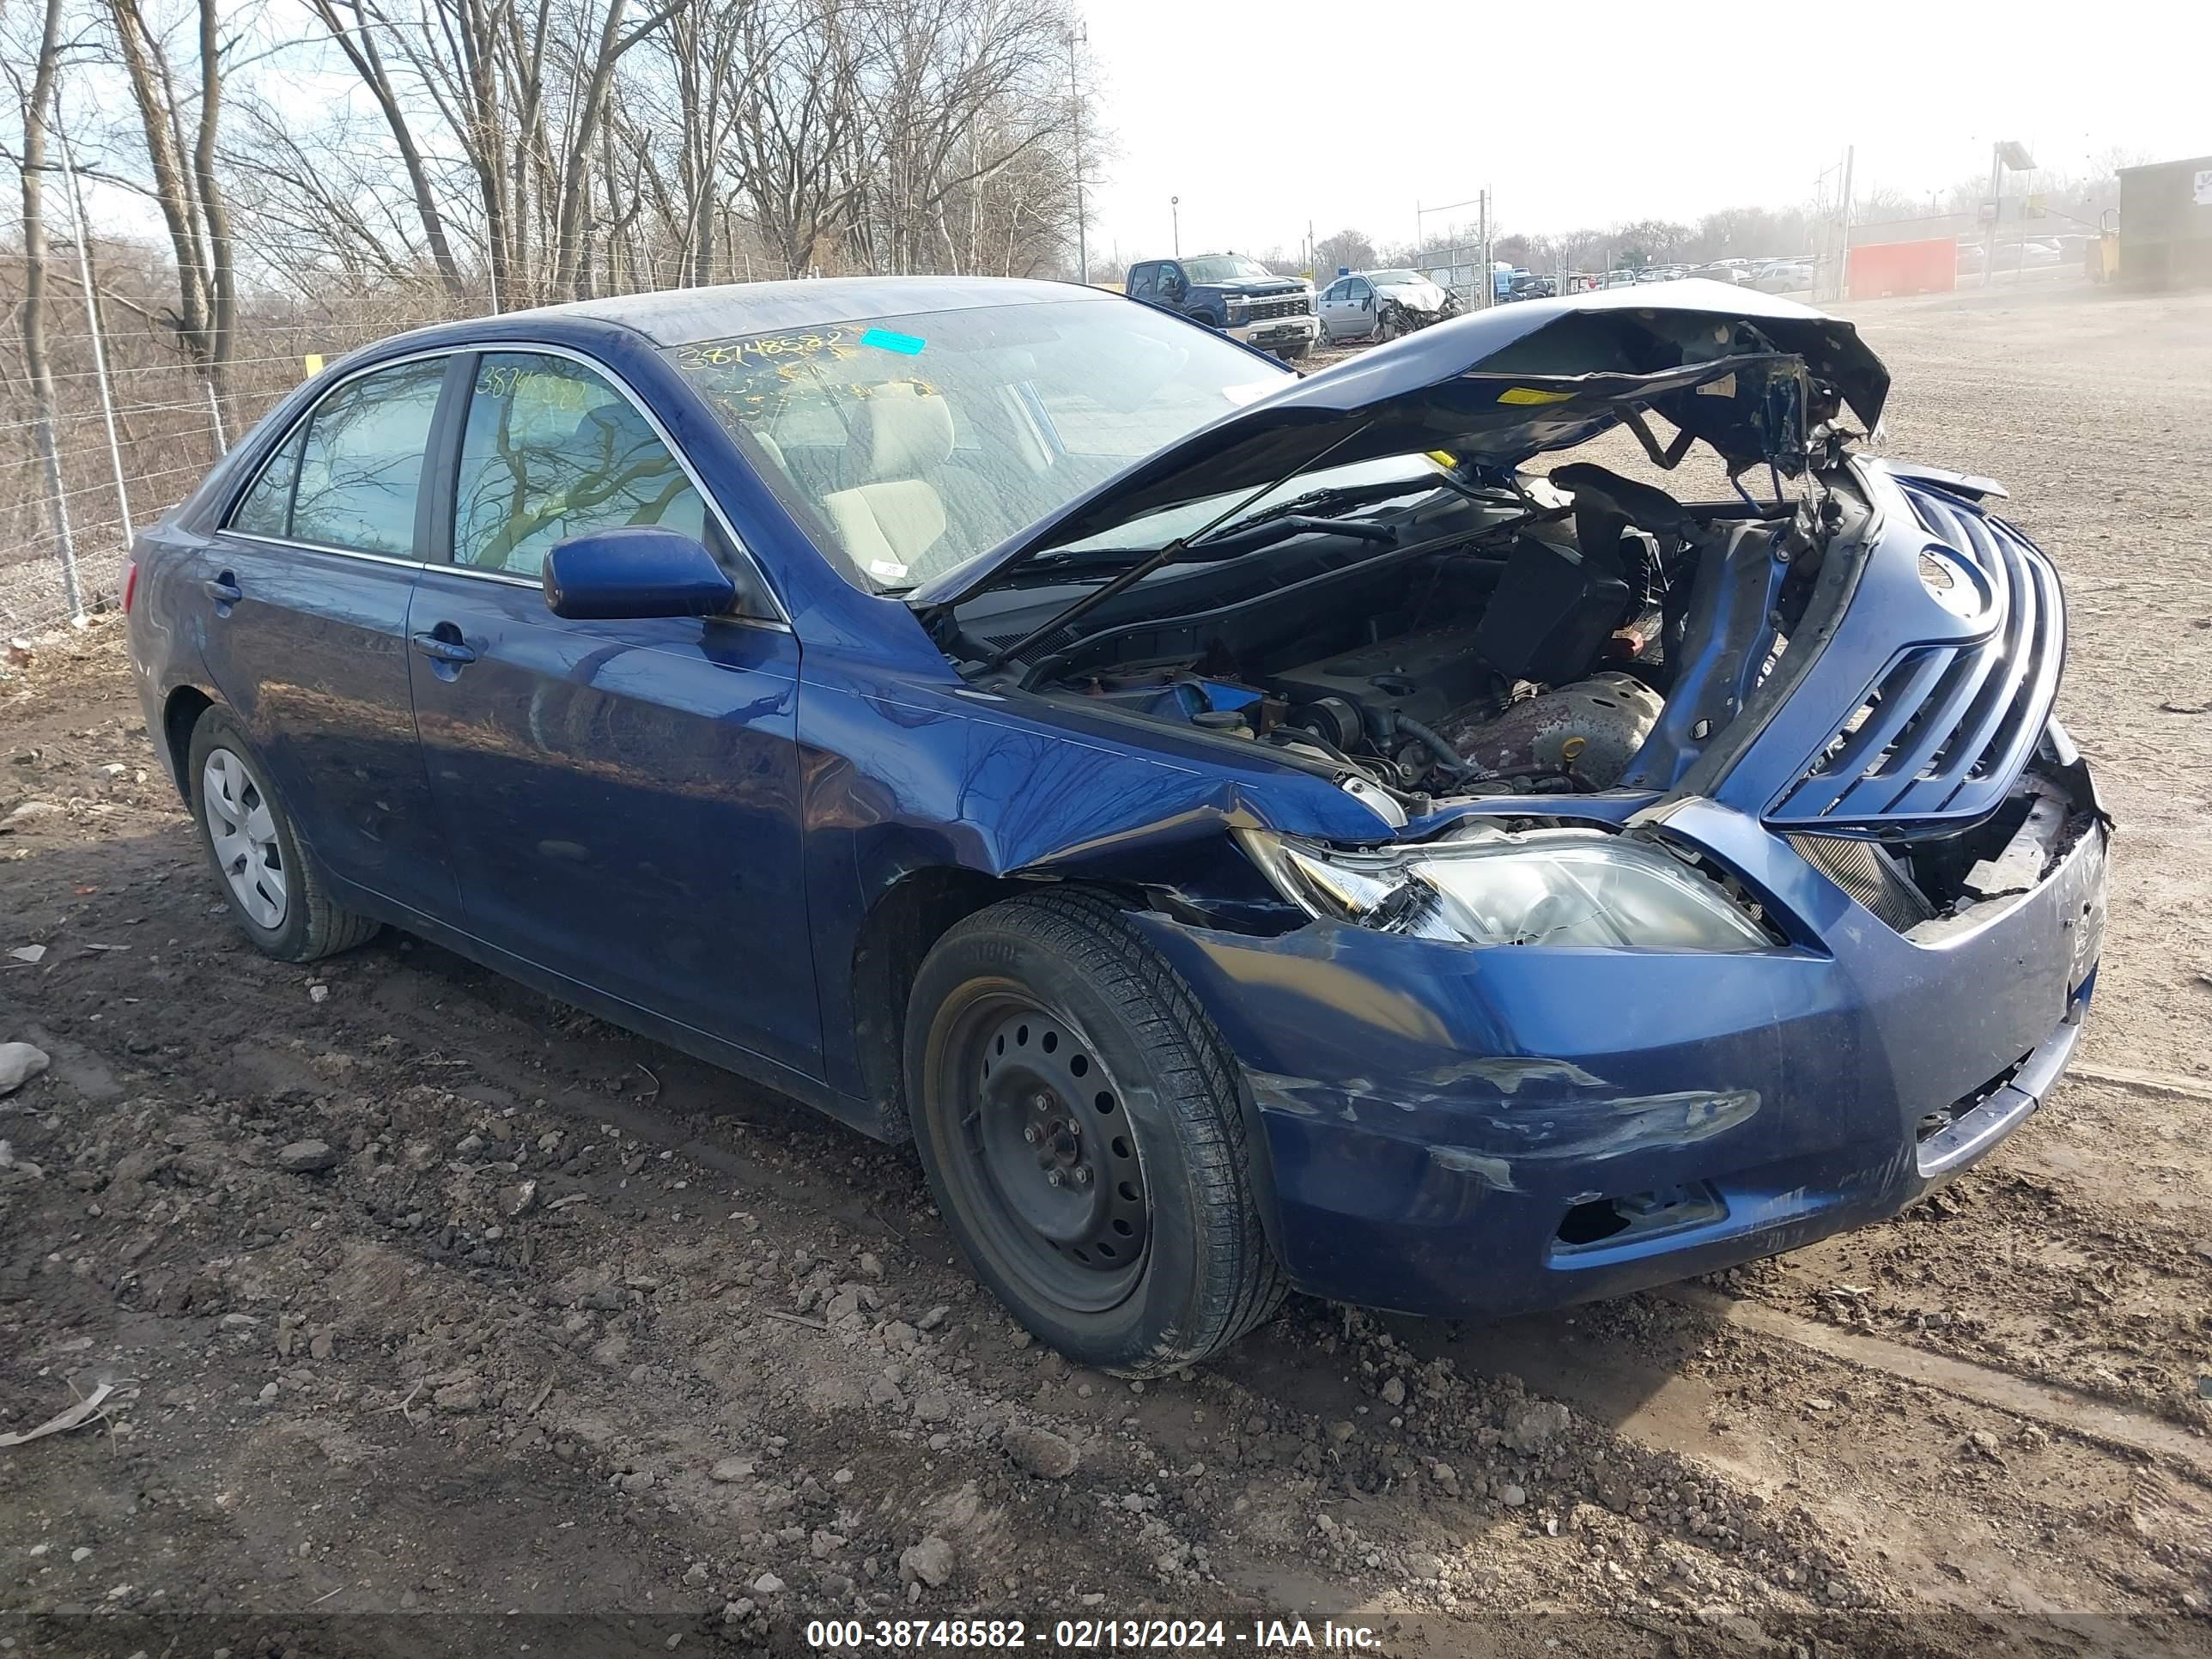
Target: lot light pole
(2005, 153)
(1080, 35)
(1175, 226)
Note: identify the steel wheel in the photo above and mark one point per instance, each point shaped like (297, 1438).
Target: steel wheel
(1051, 1171)
(243, 833)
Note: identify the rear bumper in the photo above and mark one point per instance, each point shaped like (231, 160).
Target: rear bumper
(1448, 1131)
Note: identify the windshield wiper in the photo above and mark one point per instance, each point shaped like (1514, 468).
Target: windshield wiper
(1166, 556)
(1249, 537)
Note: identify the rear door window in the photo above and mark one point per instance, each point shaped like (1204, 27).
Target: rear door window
(553, 449)
(360, 469)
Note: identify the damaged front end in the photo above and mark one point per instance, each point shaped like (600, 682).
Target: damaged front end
(1726, 879)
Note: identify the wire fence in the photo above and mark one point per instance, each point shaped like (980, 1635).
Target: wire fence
(136, 420)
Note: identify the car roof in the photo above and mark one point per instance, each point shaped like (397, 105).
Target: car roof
(681, 316)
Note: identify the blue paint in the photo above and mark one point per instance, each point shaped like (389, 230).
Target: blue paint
(701, 826)
(885, 339)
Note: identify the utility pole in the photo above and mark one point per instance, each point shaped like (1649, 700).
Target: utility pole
(1078, 35)
(1843, 269)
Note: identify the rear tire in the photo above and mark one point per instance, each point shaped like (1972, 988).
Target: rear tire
(1045, 1039)
(277, 893)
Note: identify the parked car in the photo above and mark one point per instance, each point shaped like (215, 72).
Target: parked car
(1382, 305)
(1734, 271)
(1531, 285)
(1246, 831)
(1240, 297)
(1784, 276)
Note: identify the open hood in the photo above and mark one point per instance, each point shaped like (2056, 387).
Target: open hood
(1735, 368)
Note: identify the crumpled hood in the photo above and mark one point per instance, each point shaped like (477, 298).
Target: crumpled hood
(1422, 297)
(1493, 388)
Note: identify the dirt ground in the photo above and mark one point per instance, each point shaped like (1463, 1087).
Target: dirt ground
(565, 1342)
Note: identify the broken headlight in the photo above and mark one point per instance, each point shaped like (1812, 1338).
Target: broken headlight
(1587, 888)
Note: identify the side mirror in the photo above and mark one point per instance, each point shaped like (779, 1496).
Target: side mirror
(635, 571)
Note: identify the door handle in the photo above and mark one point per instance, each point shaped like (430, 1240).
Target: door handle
(223, 589)
(442, 649)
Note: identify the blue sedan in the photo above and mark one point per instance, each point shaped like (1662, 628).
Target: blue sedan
(1247, 831)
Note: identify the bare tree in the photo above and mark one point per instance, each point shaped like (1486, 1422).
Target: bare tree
(37, 102)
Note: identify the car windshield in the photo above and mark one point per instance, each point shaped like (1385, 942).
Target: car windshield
(1224, 267)
(907, 445)
(1157, 529)
(1396, 278)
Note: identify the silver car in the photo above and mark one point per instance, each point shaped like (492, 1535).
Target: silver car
(1381, 304)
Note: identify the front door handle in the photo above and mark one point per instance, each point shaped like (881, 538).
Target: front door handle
(442, 649)
(224, 589)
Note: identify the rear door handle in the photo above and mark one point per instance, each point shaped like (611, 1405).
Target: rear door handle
(223, 589)
(443, 650)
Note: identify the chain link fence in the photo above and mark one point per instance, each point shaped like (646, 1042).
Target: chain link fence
(134, 419)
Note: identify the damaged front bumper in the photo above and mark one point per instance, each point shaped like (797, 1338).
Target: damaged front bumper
(1450, 1131)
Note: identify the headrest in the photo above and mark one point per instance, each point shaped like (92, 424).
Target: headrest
(902, 432)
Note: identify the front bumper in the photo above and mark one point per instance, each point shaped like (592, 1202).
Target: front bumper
(1448, 1131)
(1272, 333)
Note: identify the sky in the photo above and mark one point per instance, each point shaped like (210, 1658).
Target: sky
(1264, 117)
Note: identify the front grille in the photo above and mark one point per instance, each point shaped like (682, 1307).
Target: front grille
(1291, 305)
(1937, 739)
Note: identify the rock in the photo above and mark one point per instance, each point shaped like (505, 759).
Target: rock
(519, 1198)
(696, 1574)
(842, 1306)
(767, 1584)
(731, 1469)
(19, 1063)
(465, 1394)
(1421, 1564)
(933, 1319)
(636, 1481)
(1530, 1425)
(31, 954)
(932, 1407)
(930, 1562)
(307, 1157)
(872, 1265)
(30, 812)
(1394, 1394)
(1341, 1431)
(1040, 1452)
(1513, 1496)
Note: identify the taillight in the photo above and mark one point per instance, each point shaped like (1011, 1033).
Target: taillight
(130, 585)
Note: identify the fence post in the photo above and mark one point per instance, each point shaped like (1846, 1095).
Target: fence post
(92, 317)
(215, 414)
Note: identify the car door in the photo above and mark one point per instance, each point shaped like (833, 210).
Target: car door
(1359, 306)
(621, 797)
(306, 584)
(1333, 322)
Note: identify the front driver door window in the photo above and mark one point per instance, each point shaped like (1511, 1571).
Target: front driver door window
(621, 796)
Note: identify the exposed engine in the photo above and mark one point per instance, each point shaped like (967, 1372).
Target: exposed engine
(1527, 656)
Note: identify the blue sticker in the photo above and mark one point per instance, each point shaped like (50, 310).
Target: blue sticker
(907, 345)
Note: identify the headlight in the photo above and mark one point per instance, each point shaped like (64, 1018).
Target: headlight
(1486, 886)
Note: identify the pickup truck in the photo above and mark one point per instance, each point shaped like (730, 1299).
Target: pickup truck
(1238, 296)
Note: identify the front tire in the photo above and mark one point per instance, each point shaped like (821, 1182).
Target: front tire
(278, 893)
(1078, 1119)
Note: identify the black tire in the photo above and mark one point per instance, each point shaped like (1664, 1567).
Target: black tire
(1143, 1096)
(309, 926)
(1298, 353)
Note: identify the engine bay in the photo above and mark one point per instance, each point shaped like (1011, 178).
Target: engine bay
(1523, 639)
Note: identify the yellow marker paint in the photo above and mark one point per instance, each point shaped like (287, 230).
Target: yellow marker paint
(1529, 394)
(1443, 457)
(313, 361)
